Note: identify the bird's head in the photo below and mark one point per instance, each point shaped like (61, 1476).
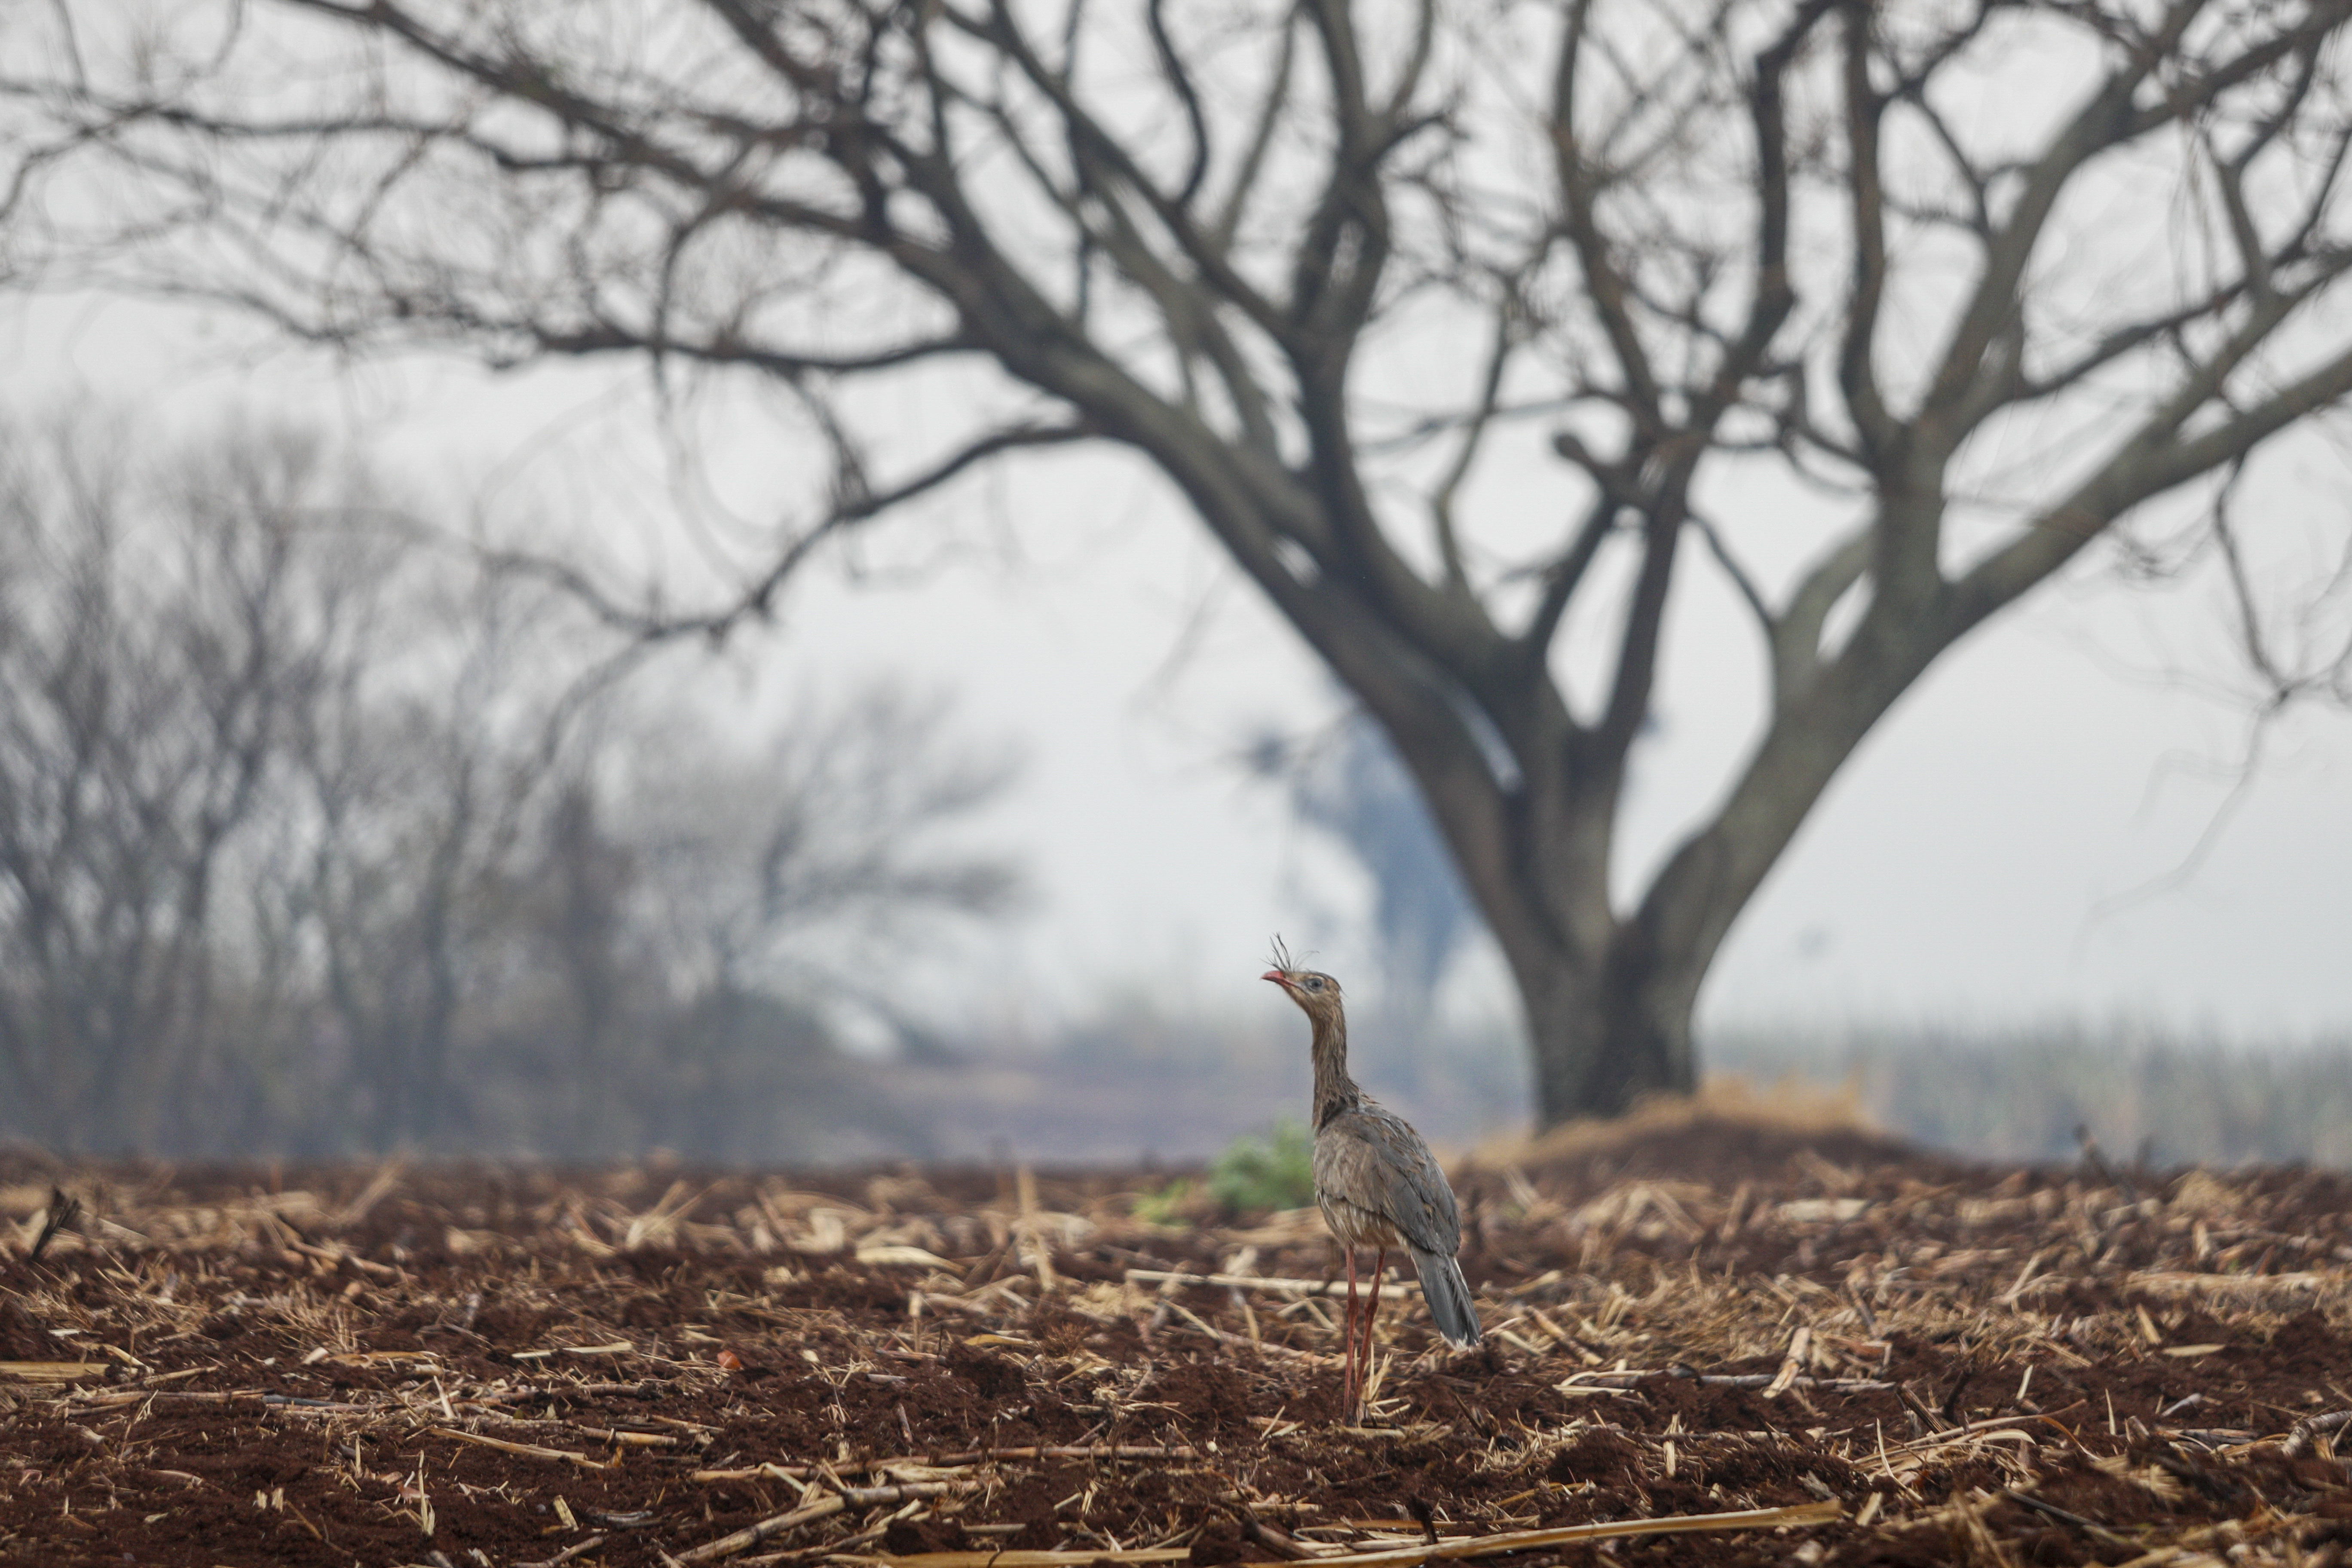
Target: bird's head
(1317, 994)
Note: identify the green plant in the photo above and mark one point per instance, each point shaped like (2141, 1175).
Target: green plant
(1275, 1171)
(1167, 1205)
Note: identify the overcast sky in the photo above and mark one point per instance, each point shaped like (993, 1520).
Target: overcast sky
(2056, 821)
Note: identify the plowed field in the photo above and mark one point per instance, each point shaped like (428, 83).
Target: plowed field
(1905, 1360)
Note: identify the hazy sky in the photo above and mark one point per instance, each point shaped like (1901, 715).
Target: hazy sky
(2055, 821)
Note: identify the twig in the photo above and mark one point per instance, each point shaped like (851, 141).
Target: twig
(2299, 1440)
(1633, 1378)
(821, 1549)
(530, 1449)
(1405, 1557)
(1068, 1451)
(596, 1433)
(1957, 1434)
(1800, 1345)
(1041, 1559)
(2009, 1297)
(901, 1491)
(1762, 1379)
(2096, 1531)
(1253, 1282)
(109, 1398)
(52, 1370)
(337, 1255)
(971, 1456)
(620, 1439)
(643, 1388)
(62, 1212)
(1927, 1419)
(1282, 1543)
(1223, 1338)
(579, 1549)
(792, 1473)
(751, 1535)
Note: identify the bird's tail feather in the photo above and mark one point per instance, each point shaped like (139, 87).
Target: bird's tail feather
(1448, 1295)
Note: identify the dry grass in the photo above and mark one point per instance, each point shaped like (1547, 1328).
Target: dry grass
(1789, 1106)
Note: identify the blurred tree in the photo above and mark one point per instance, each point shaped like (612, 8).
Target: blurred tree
(425, 779)
(773, 874)
(148, 677)
(1325, 267)
(314, 839)
(788, 864)
(1349, 784)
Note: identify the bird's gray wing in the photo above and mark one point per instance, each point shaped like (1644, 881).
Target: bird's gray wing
(1373, 1159)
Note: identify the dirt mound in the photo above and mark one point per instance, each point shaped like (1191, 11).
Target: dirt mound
(1858, 1354)
(1733, 1129)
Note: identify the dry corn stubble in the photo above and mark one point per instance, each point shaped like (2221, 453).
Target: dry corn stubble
(506, 1367)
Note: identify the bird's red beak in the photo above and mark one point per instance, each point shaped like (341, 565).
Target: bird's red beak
(1278, 978)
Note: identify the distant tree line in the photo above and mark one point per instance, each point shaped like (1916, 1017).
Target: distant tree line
(317, 836)
(2155, 1095)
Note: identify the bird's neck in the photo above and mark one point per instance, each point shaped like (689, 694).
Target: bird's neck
(1335, 1092)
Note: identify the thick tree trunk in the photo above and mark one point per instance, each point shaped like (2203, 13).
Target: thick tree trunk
(1601, 1035)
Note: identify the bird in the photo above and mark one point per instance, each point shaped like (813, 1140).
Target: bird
(1375, 1180)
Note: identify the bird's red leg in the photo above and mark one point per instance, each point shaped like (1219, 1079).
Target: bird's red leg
(1348, 1359)
(1372, 1315)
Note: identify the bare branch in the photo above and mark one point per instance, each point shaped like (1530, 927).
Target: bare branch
(1579, 190)
(1002, 32)
(1749, 594)
(1474, 433)
(1797, 640)
(2151, 462)
(1857, 370)
(1646, 614)
(1180, 80)
(758, 599)
(1269, 115)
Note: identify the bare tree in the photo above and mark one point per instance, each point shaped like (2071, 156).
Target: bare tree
(315, 837)
(811, 868)
(554, 914)
(427, 774)
(790, 865)
(155, 650)
(1321, 266)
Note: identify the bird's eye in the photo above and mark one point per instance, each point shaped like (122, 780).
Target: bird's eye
(1314, 985)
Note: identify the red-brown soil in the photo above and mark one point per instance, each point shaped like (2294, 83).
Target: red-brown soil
(311, 1366)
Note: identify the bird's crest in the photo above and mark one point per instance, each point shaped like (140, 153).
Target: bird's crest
(1282, 956)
